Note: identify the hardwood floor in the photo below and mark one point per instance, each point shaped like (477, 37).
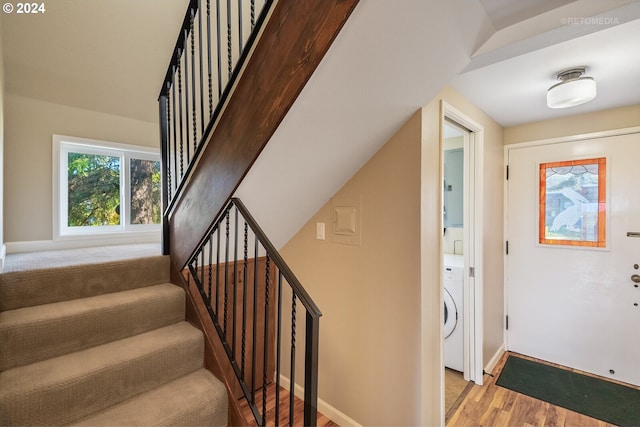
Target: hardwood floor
(455, 390)
(487, 405)
(491, 405)
(298, 409)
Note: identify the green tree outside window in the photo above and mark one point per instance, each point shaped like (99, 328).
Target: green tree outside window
(94, 190)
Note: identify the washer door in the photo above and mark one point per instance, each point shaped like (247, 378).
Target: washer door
(450, 314)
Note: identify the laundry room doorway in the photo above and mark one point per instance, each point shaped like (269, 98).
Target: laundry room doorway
(461, 155)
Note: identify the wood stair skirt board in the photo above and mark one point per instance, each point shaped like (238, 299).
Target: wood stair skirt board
(294, 41)
(102, 344)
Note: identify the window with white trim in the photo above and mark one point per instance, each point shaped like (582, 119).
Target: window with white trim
(104, 187)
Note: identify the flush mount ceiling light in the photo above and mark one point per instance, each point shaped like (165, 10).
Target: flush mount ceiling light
(572, 90)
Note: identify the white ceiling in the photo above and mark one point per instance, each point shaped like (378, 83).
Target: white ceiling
(101, 55)
(111, 55)
(509, 75)
(504, 13)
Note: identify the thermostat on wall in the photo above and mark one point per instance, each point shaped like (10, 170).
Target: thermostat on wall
(346, 212)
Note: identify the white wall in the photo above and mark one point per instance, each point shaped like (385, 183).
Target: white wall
(30, 124)
(369, 294)
(579, 124)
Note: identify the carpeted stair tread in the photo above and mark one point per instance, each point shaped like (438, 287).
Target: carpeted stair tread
(35, 287)
(70, 387)
(32, 334)
(197, 399)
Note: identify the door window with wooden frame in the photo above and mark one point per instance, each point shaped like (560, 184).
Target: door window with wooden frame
(572, 209)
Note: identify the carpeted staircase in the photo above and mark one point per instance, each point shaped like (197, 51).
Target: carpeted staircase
(102, 345)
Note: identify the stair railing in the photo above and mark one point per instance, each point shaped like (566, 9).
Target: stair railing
(213, 44)
(255, 303)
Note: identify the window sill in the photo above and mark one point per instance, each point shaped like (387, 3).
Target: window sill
(111, 238)
(75, 242)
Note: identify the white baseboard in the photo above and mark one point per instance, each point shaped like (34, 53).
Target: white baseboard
(334, 414)
(54, 245)
(495, 359)
(3, 255)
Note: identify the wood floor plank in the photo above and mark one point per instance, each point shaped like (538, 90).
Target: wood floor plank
(501, 420)
(490, 416)
(554, 417)
(283, 409)
(492, 405)
(508, 400)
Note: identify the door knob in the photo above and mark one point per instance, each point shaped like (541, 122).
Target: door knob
(636, 278)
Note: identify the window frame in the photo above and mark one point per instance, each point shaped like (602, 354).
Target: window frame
(601, 243)
(62, 145)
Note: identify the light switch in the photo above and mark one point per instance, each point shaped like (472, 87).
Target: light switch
(320, 230)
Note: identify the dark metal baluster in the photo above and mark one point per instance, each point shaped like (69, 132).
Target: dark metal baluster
(194, 264)
(253, 24)
(194, 110)
(181, 113)
(218, 275)
(186, 94)
(255, 320)
(293, 358)
(240, 40)
(278, 345)
(167, 146)
(163, 105)
(201, 67)
(226, 274)
(219, 39)
(229, 66)
(209, 58)
(265, 349)
(175, 125)
(235, 282)
(202, 266)
(310, 370)
(210, 265)
(244, 297)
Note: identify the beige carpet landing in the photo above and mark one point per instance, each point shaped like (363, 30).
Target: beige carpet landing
(102, 344)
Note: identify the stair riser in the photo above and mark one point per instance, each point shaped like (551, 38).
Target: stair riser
(73, 397)
(66, 327)
(198, 399)
(36, 287)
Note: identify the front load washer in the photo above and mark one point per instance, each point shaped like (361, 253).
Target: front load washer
(453, 317)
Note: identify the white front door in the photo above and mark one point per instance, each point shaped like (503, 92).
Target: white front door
(576, 306)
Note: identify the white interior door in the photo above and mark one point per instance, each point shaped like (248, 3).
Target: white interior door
(576, 306)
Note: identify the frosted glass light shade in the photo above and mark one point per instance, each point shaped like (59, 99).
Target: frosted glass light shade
(571, 92)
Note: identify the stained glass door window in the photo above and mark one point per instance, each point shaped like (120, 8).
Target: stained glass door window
(573, 203)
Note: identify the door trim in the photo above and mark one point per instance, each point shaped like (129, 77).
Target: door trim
(571, 138)
(473, 298)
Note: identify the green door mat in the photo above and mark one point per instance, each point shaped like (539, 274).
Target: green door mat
(596, 398)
